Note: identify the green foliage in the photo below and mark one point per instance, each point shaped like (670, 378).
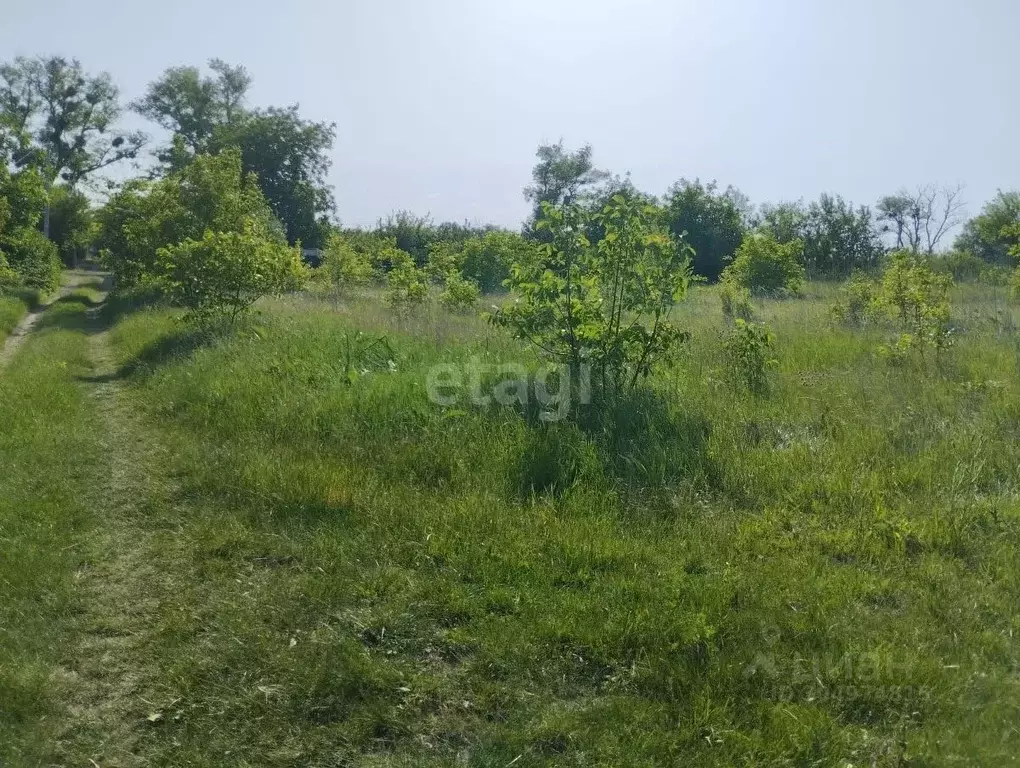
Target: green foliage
(289, 156)
(736, 301)
(8, 277)
(209, 194)
(990, 235)
(224, 273)
(444, 259)
(839, 238)
(407, 285)
(560, 177)
(459, 294)
(856, 302)
(784, 221)
(1014, 284)
(27, 252)
(71, 225)
(69, 113)
(608, 305)
(962, 266)
(34, 258)
(748, 349)
(766, 267)
(345, 266)
(712, 222)
(487, 258)
(918, 297)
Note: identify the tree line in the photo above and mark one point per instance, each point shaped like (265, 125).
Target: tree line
(230, 167)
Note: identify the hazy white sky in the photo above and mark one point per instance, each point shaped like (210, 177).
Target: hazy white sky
(440, 104)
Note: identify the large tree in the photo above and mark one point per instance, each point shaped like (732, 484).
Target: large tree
(290, 156)
(920, 219)
(561, 176)
(713, 220)
(65, 116)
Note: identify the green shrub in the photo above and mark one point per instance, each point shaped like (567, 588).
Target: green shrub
(224, 273)
(962, 266)
(918, 298)
(856, 301)
(408, 286)
(34, 258)
(344, 266)
(459, 294)
(1014, 284)
(8, 277)
(766, 267)
(444, 259)
(487, 259)
(748, 350)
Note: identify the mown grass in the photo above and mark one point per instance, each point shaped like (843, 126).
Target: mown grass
(357, 576)
(15, 305)
(49, 463)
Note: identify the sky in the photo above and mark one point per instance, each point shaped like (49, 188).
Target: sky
(439, 105)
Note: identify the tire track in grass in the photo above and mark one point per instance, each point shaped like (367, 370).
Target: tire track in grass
(72, 281)
(108, 698)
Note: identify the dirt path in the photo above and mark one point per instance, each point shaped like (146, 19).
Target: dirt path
(105, 683)
(72, 281)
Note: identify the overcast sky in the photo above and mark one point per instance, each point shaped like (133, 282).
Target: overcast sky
(440, 104)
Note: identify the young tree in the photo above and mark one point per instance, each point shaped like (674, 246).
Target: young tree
(68, 114)
(604, 305)
(919, 220)
(713, 222)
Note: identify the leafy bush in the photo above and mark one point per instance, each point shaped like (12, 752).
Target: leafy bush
(487, 259)
(8, 277)
(856, 302)
(209, 194)
(1014, 284)
(34, 258)
(608, 305)
(748, 350)
(224, 273)
(766, 267)
(343, 265)
(919, 298)
(962, 266)
(444, 259)
(408, 286)
(459, 293)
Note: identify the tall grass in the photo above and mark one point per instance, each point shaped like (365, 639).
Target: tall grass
(699, 576)
(14, 306)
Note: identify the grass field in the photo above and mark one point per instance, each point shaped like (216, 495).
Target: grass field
(294, 558)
